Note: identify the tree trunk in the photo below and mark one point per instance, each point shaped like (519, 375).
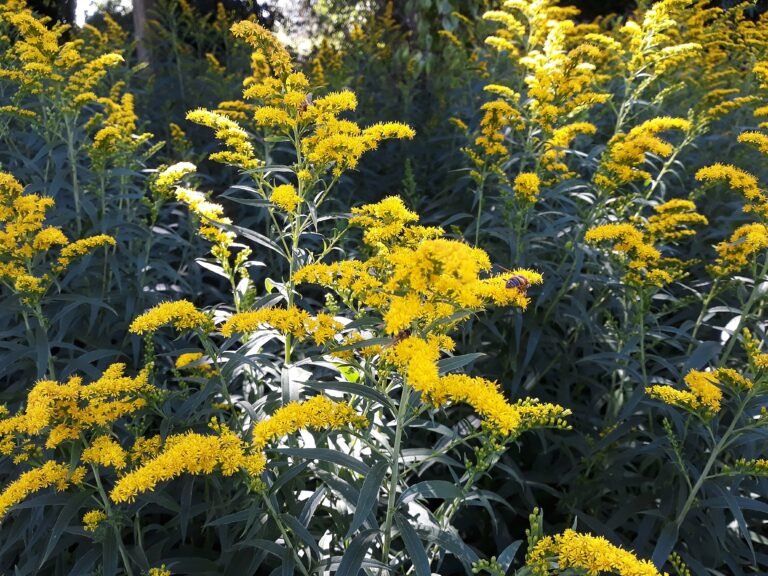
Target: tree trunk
(140, 9)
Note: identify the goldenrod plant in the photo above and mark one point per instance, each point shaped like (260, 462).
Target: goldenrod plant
(376, 305)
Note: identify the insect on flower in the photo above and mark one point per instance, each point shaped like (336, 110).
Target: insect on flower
(519, 282)
(307, 103)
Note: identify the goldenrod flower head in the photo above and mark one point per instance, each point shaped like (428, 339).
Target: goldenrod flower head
(209, 213)
(294, 321)
(526, 186)
(384, 220)
(626, 152)
(738, 252)
(166, 180)
(593, 554)
(92, 519)
(104, 451)
(671, 220)
(317, 413)
(64, 410)
(267, 43)
(703, 393)
(758, 139)
(239, 148)
(182, 314)
(189, 453)
(80, 248)
(185, 360)
(49, 474)
(162, 570)
(145, 448)
(503, 91)
(740, 180)
(285, 197)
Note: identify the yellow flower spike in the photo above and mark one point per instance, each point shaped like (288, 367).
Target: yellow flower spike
(671, 220)
(526, 186)
(317, 413)
(104, 451)
(188, 453)
(738, 252)
(754, 467)
(80, 248)
(757, 139)
(182, 314)
(92, 519)
(738, 179)
(49, 474)
(165, 182)
(262, 39)
(239, 148)
(285, 197)
(292, 321)
(703, 393)
(593, 554)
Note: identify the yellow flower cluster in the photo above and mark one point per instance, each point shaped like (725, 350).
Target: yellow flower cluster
(164, 183)
(39, 62)
(626, 152)
(285, 197)
(116, 141)
(239, 150)
(672, 220)
(744, 182)
(417, 359)
(554, 148)
(703, 392)
(415, 278)
(209, 214)
(189, 453)
(592, 554)
(92, 519)
(740, 249)
(49, 474)
(637, 243)
(198, 454)
(104, 451)
(322, 328)
(23, 236)
(182, 314)
(285, 106)
(63, 411)
(526, 186)
(162, 570)
(317, 413)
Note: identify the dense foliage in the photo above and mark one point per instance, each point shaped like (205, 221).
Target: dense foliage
(475, 287)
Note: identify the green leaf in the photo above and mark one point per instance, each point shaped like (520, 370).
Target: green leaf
(455, 362)
(414, 546)
(327, 455)
(355, 553)
(430, 489)
(300, 530)
(369, 496)
(68, 512)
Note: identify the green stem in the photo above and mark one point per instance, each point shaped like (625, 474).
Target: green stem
(288, 542)
(711, 462)
(108, 509)
(753, 297)
(73, 171)
(394, 480)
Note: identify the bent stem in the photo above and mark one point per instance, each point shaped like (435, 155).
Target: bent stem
(718, 448)
(108, 508)
(394, 479)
